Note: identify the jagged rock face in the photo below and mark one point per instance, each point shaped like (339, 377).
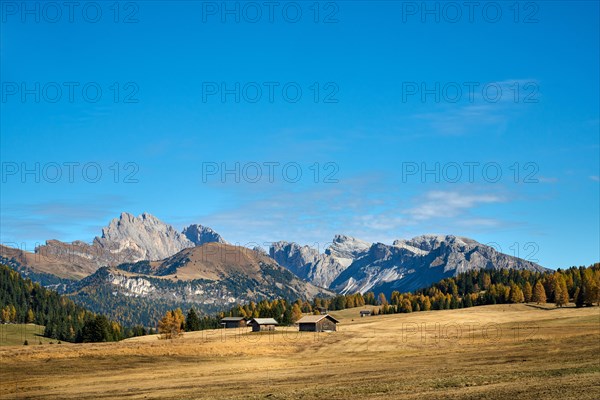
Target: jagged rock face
(199, 235)
(143, 238)
(294, 257)
(347, 247)
(319, 269)
(412, 264)
(126, 239)
(326, 269)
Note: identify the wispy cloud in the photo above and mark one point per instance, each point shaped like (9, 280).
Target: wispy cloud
(439, 204)
(315, 215)
(478, 110)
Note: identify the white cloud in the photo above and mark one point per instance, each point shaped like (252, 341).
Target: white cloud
(439, 204)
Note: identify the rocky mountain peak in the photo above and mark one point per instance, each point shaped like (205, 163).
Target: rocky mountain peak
(411, 264)
(145, 237)
(344, 246)
(428, 243)
(293, 256)
(320, 269)
(199, 235)
(379, 251)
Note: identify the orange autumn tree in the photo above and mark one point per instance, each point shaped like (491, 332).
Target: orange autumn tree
(170, 326)
(539, 294)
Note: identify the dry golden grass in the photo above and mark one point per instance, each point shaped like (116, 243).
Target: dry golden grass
(492, 352)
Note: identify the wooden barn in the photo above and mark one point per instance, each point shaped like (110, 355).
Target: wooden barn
(233, 322)
(317, 323)
(263, 324)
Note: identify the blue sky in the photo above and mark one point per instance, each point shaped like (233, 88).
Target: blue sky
(500, 102)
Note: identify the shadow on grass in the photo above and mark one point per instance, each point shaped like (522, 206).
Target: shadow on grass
(548, 306)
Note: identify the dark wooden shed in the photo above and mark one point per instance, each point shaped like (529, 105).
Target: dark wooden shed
(365, 313)
(317, 323)
(263, 324)
(233, 322)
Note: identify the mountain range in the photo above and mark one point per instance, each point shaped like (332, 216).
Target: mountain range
(145, 258)
(210, 277)
(126, 239)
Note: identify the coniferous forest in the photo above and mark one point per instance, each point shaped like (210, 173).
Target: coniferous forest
(578, 285)
(22, 301)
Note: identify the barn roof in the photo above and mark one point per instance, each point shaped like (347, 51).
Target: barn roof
(265, 321)
(232, 319)
(313, 319)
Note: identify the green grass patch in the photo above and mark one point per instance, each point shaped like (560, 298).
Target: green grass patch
(17, 334)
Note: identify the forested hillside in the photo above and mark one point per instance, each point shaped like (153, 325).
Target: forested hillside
(579, 285)
(22, 301)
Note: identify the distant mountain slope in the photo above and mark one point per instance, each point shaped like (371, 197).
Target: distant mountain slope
(320, 269)
(210, 277)
(125, 239)
(39, 268)
(408, 265)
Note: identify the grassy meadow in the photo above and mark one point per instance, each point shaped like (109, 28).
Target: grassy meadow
(17, 334)
(491, 352)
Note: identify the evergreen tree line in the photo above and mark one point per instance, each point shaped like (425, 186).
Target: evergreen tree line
(22, 301)
(579, 285)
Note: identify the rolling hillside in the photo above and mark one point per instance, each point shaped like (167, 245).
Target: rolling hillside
(211, 277)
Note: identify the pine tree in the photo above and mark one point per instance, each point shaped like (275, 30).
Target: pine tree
(382, 300)
(96, 329)
(453, 302)
(487, 281)
(590, 288)
(5, 314)
(426, 304)
(527, 292)
(539, 293)
(370, 298)
(579, 297)
(561, 295)
(467, 301)
(286, 319)
(296, 313)
(179, 318)
(406, 306)
(516, 294)
(170, 325)
(192, 322)
(13, 314)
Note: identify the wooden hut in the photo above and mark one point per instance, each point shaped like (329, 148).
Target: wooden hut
(262, 324)
(365, 313)
(233, 322)
(317, 323)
